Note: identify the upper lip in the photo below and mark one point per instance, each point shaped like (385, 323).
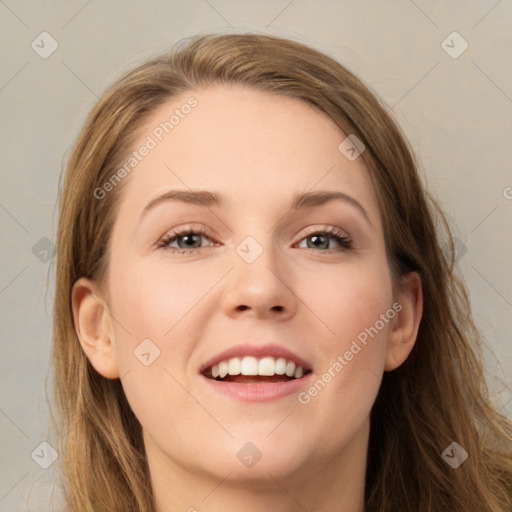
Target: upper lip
(243, 350)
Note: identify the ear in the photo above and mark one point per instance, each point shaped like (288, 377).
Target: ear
(94, 327)
(409, 307)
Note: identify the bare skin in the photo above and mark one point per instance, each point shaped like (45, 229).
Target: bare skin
(197, 296)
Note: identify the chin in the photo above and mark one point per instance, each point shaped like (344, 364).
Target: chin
(257, 461)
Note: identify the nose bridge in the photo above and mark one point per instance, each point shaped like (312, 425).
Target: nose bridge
(259, 279)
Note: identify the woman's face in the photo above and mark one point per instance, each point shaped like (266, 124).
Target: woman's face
(245, 231)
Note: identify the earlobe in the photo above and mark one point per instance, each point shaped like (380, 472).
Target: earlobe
(94, 327)
(405, 329)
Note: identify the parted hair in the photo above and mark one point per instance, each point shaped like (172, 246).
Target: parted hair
(438, 396)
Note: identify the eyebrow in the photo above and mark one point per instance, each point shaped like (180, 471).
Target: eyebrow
(197, 197)
(209, 199)
(310, 199)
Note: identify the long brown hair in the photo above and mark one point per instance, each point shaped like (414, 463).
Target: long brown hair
(436, 397)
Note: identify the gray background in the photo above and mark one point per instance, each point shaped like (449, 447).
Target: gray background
(456, 112)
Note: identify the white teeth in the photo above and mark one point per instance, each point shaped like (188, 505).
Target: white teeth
(290, 368)
(235, 366)
(267, 366)
(249, 365)
(280, 366)
(223, 369)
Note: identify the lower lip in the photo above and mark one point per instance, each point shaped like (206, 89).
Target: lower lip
(258, 392)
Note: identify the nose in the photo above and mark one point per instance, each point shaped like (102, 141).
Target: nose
(263, 288)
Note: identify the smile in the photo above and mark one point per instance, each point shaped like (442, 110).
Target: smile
(250, 369)
(256, 372)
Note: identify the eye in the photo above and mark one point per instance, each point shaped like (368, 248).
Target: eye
(185, 240)
(189, 241)
(323, 241)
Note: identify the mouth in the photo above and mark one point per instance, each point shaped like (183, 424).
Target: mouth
(256, 370)
(256, 373)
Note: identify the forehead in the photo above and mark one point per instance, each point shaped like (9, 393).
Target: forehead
(249, 145)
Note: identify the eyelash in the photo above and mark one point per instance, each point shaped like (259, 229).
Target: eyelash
(343, 240)
(174, 235)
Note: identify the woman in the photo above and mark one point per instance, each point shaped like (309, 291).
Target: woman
(252, 308)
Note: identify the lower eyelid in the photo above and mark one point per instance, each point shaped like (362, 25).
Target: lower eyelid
(344, 242)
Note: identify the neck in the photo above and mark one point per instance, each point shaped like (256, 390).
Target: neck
(334, 483)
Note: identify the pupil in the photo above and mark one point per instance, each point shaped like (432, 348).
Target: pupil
(190, 238)
(322, 244)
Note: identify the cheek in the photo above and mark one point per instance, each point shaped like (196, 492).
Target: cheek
(153, 342)
(356, 305)
(348, 299)
(153, 300)
(160, 314)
